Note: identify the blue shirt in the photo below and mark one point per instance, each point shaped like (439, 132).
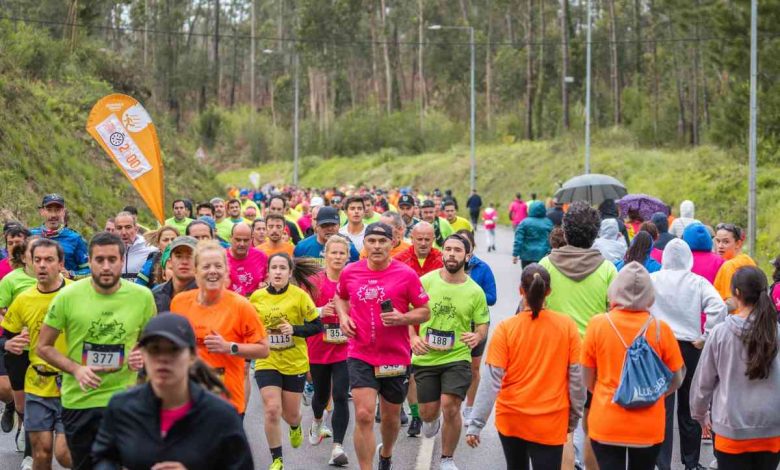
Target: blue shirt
(75, 248)
(311, 247)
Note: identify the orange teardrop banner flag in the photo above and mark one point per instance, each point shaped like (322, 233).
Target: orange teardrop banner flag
(123, 128)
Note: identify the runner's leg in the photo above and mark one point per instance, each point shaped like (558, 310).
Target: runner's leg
(321, 378)
(364, 399)
(272, 409)
(340, 417)
(291, 408)
(42, 449)
(391, 423)
(515, 452)
(544, 457)
(61, 451)
(450, 432)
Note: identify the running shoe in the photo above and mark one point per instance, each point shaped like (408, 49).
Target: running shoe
(431, 429)
(277, 464)
(414, 427)
(315, 433)
(7, 420)
(308, 393)
(296, 437)
(384, 464)
(20, 440)
(325, 431)
(448, 464)
(27, 463)
(338, 457)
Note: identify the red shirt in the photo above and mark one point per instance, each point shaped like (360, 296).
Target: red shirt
(432, 262)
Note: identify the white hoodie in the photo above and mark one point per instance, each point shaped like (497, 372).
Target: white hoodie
(681, 296)
(687, 211)
(610, 243)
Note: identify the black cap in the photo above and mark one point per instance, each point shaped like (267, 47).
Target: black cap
(170, 326)
(328, 215)
(53, 199)
(8, 225)
(406, 200)
(379, 228)
(427, 203)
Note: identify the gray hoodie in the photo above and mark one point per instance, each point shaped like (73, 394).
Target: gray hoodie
(687, 211)
(610, 242)
(741, 408)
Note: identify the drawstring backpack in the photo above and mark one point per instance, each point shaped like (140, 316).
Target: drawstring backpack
(645, 378)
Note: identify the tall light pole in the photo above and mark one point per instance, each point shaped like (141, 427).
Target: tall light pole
(752, 142)
(587, 88)
(473, 136)
(296, 113)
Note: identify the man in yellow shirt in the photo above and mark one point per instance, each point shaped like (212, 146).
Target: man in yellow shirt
(457, 223)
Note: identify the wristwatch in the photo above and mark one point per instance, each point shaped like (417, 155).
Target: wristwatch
(233, 349)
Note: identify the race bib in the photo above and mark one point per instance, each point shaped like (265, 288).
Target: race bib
(110, 357)
(278, 340)
(440, 340)
(333, 334)
(389, 371)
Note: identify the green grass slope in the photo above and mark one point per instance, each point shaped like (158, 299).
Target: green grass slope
(714, 179)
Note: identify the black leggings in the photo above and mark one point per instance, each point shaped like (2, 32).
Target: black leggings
(518, 452)
(321, 375)
(639, 458)
(751, 460)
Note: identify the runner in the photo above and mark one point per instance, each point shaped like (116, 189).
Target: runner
(490, 220)
(204, 209)
(180, 257)
(291, 317)
(534, 377)
(370, 216)
(250, 214)
(355, 229)
(152, 272)
(224, 225)
(137, 251)
(373, 302)
(740, 359)
(247, 264)
(279, 205)
(234, 212)
(728, 243)
(406, 207)
(101, 319)
(247, 202)
(276, 243)
(225, 323)
(531, 242)
(442, 356)
(314, 246)
(518, 210)
(170, 421)
(200, 230)
(422, 257)
(52, 211)
(179, 221)
(258, 232)
(457, 223)
(474, 204)
(14, 234)
(328, 354)
(21, 325)
(441, 228)
(394, 220)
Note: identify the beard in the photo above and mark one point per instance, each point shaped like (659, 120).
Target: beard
(454, 267)
(96, 278)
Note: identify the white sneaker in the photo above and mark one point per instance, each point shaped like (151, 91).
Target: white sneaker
(448, 464)
(27, 463)
(431, 429)
(20, 440)
(338, 457)
(315, 433)
(325, 431)
(466, 416)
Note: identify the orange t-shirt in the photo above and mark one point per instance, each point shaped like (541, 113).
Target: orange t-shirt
(602, 350)
(740, 446)
(403, 246)
(533, 403)
(726, 272)
(235, 319)
(270, 250)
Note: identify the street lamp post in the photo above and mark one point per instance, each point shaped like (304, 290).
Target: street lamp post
(473, 130)
(296, 113)
(752, 150)
(587, 88)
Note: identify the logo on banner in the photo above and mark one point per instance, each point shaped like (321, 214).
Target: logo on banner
(123, 148)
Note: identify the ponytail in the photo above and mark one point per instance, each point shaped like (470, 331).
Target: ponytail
(759, 337)
(205, 376)
(303, 270)
(535, 282)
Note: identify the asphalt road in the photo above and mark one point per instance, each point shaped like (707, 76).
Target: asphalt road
(410, 453)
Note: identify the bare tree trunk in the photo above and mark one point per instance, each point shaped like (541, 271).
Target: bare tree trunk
(374, 72)
(529, 71)
(540, 74)
(638, 37)
(656, 75)
(234, 77)
(489, 70)
(565, 63)
(615, 75)
(464, 11)
(420, 55)
(386, 53)
(681, 121)
(216, 51)
(695, 82)
(509, 30)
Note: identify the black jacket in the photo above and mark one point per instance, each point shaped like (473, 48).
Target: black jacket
(555, 214)
(210, 436)
(163, 294)
(474, 203)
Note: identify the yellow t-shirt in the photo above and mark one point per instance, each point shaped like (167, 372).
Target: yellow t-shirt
(289, 354)
(28, 310)
(461, 224)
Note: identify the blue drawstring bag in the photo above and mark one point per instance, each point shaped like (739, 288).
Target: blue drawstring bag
(645, 378)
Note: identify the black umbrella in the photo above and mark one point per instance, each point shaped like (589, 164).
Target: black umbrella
(593, 188)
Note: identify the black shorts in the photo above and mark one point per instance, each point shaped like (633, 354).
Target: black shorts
(3, 370)
(81, 428)
(434, 381)
(17, 367)
(479, 351)
(274, 378)
(392, 389)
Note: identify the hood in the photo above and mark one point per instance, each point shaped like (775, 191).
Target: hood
(608, 208)
(537, 210)
(737, 325)
(632, 289)
(609, 229)
(576, 263)
(697, 237)
(677, 256)
(687, 209)
(661, 221)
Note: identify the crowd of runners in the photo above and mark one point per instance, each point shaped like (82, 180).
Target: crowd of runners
(135, 349)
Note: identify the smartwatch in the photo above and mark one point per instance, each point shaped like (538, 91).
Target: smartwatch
(233, 349)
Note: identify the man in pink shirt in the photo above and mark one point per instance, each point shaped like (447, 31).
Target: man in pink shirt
(518, 210)
(372, 300)
(247, 264)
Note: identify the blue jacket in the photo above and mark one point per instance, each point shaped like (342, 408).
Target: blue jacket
(531, 236)
(311, 247)
(75, 248)
(481, 273)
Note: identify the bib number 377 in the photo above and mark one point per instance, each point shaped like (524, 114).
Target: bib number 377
(109, 357)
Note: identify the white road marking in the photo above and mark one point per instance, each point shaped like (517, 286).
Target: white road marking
(425, 454)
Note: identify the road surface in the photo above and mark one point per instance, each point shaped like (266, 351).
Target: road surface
(410, 453)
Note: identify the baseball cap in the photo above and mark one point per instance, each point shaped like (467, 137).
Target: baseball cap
(184, 240)
(328, 215)
(8, 225)
(53, 199)
(244, 192)
(427, 203)
(406, 200)
(170, 326)
(379, 228)
(316, 201)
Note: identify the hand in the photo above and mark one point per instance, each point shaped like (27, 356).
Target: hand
(135, 361)
(168, 466)
(472, 440)
(347, 326)
(394, 318)
(16, 344)
(329, 309)
(471, 340)
(216, 343)
(285, 328)
(514, 260)
(698, 344)
(419, 346)
(87, 378)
